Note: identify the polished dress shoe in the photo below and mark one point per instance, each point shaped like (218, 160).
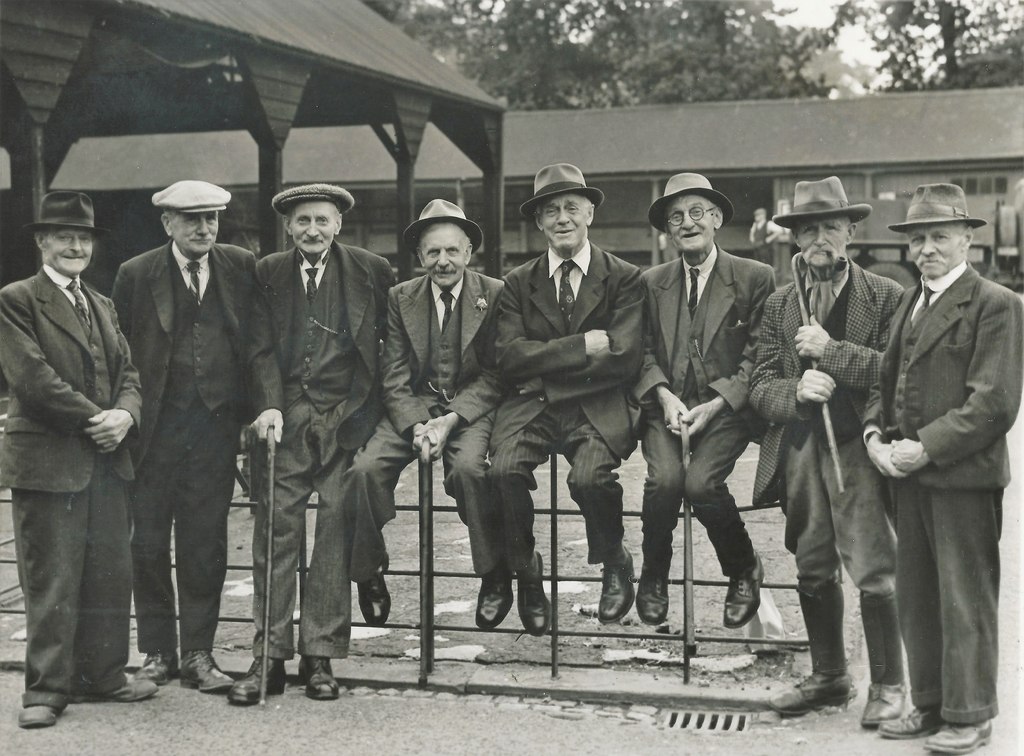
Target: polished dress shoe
(246, 691)
(316, 672)
(812, 693)
(34, 717)
(495, 598)
(374, 599)
(159, 667)
(918, 723)
(960, 738)
(199, 670)
(885, 703)
(743, 596)
(652, 597)
(534, 607)
(133, 690)
(616, 589)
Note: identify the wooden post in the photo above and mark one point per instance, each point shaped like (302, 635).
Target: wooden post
(271, 228)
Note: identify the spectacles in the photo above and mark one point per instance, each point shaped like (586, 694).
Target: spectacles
(696, 213)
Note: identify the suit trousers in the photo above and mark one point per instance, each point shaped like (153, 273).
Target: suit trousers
(185, 481)
(368, 493)
(593, 482)
(74, 565)
(947, 584)
(713, 456)
(826, 529)
(304, 465)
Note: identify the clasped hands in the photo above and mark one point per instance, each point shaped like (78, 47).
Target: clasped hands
(897, 459)
(433, 435)
(677, 414)
(108, 429)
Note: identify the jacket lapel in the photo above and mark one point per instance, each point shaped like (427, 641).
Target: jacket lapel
(944, 313)
(59, 309)
(668, 292)
(101, 320)
(860, 303)
(221, 273)
(356, 283)
(591, 288)
(720, 304)
(472, 316)
(282, 283)
(160, 283)
(414, 306)
(543, 294)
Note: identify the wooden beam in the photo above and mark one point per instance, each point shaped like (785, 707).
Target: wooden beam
(278, 84)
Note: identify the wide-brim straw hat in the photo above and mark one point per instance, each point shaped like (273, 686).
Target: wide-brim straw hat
(441, 211)
(937, 203)
(816, 200)
(560, 178)
(687, 183)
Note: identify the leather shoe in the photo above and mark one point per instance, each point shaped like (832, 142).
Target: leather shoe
(814, 692)
(885, 703)
(159, 667)
(918, 723)
(743, 596)
(34, 717)
(246, 691)
(958, 738)
(199, 670)
(495, 598)
(652, 597)
(133, 690)
(374, 599)
(316, 672)
(616, 590)
(534, 607)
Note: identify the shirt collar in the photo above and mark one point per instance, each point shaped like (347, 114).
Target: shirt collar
(320, 263)
(704, 269)
(581, 258)
(944, 282)
(455, 290)
(58, 278)
(183, 261)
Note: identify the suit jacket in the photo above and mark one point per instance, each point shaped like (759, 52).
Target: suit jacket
(365, 280)
(406, 351)
(50, 370)
(535, 348)
(145, 305)
(853, 362)
(731, 328)
(963, 382)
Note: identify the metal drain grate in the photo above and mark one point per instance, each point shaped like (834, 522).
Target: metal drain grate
(706, 721)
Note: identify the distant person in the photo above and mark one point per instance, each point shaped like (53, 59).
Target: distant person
(74, 397)
(763, 235)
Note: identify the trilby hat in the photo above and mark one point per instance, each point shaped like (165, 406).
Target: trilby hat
(283, 201)
(441, 211)
(687, 183)
(192, 197)
(821, 199)
(937, 203)
(66, 209)
(560, 178)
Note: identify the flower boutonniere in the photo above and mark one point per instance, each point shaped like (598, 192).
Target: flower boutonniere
(480, 305)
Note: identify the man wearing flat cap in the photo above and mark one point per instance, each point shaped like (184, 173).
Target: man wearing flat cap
(948, 393)
(440, 389)
(184, 308)
(831, 359)
(703, 317)
(317, 327)
(569, 343)
(74, 399)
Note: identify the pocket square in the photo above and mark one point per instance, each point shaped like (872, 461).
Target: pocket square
(740, 323)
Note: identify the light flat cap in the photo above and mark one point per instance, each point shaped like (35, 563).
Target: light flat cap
(192, 197)
(283, 201)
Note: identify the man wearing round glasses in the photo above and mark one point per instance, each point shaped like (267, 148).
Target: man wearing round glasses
(703, 320)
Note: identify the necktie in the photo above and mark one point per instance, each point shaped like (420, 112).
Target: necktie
(447, 299)
(924, 305)
(692, 294)
(311, 285)
(566, 300)
(81, 308)
(193, 279)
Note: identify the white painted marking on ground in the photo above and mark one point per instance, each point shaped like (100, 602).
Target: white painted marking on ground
(453, 607)
(454, 653)
(20, 635)
(571, 586)
(238, 587)
(362, 633)
(577, 542)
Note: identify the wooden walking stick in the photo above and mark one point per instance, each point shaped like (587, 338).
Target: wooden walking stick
(689, 636)
(269, 571)
(826, 415)
(426, 497)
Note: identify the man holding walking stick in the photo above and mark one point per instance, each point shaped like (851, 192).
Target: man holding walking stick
(821, 343)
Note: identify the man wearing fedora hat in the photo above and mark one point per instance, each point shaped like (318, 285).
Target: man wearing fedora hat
(833, 358)
(703, 317)
(441, 389)
(947, 394)
(74, 398)
(569, 342)
(184, 308)
(317, 326)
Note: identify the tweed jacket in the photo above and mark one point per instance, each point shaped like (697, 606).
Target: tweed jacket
(145, 305)
(51, 373)
(852, 362)
(535, 349)
(731, 330)
(963, 382)
(406, 351)
(365, 281)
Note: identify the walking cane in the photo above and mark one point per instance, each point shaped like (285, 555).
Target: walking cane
(826, 415)
(689, 639)
(269, 571)
(426, 563)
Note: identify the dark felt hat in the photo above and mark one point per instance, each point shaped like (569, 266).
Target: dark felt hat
(937, 203)
(821, 199)
(560, 178)
(441, 211)
(66, 209)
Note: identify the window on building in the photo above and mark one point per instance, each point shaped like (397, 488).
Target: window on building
(981, 184)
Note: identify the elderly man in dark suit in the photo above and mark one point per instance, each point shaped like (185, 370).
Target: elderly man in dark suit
(74, 398)
(948, 393)
(317, 327)
(569, 341)
(441, 389)
(703, 317)
(184, 308)
(833, 359)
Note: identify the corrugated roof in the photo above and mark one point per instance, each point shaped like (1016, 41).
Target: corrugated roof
(346, 32)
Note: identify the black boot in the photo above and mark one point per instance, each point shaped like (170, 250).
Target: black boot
(829, 684)
(885, 658)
